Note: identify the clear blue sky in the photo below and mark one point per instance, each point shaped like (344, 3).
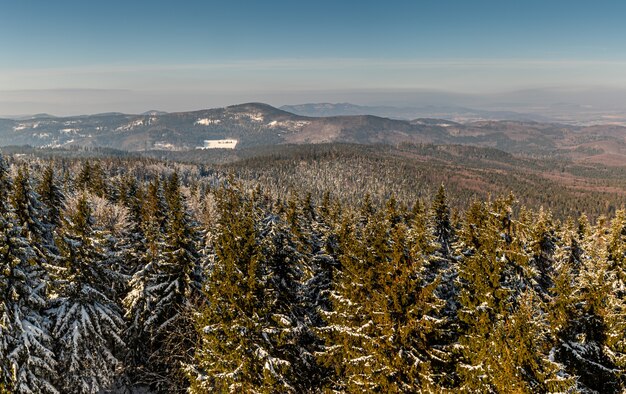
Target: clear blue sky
(81, 55)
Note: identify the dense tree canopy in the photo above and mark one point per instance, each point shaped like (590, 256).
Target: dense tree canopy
(169, 277)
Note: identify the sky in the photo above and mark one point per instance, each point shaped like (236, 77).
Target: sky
(72, 57)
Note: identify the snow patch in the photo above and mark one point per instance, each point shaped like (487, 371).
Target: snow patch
(25, 126)
(131, 125)
(253, 116)
(219, 144)
(207, 121)
(291, 125)
(163, 145)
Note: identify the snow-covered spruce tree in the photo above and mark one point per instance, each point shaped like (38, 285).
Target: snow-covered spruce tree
(378, 331)
(564, 307)
(441, 220)
(130, 195)
(317, 247)
(233, 348)
(31, 215)
(26, 359)
(92, 178)
(320, 261)
(181, 266)
(142, 296)
(289, 325)
(254, 330)
(409, 323)
(162, 293)
(541, 245)
(497, 352)
(437, 267)
(616, 340)
(51, 196)
(87, 323)
(30, 349)
(586, 336)
(7, 229)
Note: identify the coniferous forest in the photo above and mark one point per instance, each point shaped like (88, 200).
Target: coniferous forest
(136, 275)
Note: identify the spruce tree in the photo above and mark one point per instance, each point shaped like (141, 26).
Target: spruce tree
(442, 270)
(33, 218)
(143, 285)
(585, 340)
(162, 292)
(542, 244)
(441, 220)
(87, 323)
(51, 195)
(379, 329)
(500, 348)
(289, 327)
(27, 361)
(92, 178)
(616, 338)
(234, 349)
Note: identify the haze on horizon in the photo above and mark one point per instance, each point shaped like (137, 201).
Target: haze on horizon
(75, 57)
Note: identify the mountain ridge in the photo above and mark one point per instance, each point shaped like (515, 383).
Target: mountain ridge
(257, 124)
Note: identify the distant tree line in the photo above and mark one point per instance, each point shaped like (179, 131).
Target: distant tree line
(135, 274)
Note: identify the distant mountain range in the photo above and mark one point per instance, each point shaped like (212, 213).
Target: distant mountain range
(408, 113)
(256, 124)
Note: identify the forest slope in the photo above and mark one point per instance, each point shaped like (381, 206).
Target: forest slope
(256, 124)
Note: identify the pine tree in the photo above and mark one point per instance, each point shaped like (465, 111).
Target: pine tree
(87, 324)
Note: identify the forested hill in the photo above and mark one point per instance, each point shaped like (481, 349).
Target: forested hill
(407, 171)
(256, 124)
(139, 274)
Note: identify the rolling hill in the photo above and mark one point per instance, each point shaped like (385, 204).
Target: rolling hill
(256, 124)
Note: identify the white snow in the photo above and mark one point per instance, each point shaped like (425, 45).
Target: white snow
(254, 116)
(207, 121)
(163, 145)
(131, 125)
(219, 144)
(291, 125)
